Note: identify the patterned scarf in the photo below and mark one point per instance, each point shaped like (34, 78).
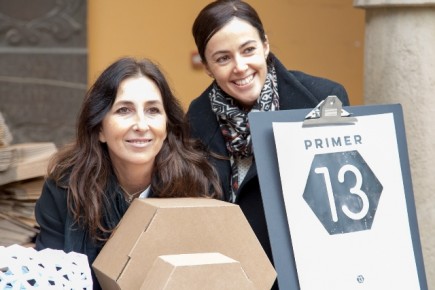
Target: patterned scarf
(234, 124)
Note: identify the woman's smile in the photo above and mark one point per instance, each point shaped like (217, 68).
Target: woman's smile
(140, 142)
(245, 81)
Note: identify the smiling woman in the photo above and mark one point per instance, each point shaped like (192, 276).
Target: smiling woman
(235, 51)
(236, 60)
(132, 141)
(134, 130)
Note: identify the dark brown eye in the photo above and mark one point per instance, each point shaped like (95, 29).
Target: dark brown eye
(153, 110)
(123, 110)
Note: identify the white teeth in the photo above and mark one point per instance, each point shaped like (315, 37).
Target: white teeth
(245, 81)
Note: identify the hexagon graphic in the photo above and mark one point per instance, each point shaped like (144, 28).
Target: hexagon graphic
(343, 192)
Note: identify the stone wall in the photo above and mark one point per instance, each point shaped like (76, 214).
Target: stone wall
(43, 68)
(399, 67)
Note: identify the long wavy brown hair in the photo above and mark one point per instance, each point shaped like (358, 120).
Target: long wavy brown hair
(84, 166)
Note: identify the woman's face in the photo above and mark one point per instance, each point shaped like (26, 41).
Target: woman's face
(135, 127)
(236, 57)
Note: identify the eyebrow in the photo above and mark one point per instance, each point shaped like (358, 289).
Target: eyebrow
(242, 45)
(150, 102)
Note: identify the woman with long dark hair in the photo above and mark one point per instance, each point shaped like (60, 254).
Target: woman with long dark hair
(132, 142)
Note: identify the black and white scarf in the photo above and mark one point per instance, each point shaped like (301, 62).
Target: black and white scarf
(234, 123)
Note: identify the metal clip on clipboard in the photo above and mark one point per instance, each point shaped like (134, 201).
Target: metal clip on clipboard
(328, 112)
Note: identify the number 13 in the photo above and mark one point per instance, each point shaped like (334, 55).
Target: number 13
(354, 190)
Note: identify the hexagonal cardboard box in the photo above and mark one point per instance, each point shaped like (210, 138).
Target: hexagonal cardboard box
(154, 227)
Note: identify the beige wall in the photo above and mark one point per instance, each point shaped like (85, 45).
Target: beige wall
(320, 37)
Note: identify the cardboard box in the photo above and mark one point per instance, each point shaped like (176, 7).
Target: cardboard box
(211, 271)
(154, 227)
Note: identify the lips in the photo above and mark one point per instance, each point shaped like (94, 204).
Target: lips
(245, 81)
(139, 141)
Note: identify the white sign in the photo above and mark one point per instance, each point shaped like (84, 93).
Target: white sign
(345, 203)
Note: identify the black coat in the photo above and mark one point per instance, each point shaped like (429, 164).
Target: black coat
(58, 230)
(296, 90)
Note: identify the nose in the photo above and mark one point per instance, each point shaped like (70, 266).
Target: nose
(141, 123)
(240, 64)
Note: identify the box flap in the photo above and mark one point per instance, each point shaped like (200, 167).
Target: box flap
(211, 271)
(122, 241)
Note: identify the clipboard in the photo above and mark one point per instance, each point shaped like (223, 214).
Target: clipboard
(331, 116)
